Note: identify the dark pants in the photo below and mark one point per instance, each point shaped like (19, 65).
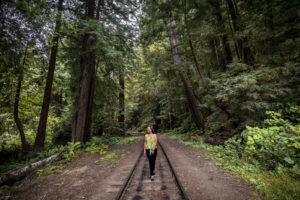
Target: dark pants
(151, 160)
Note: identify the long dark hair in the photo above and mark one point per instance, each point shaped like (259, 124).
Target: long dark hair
(152, 129)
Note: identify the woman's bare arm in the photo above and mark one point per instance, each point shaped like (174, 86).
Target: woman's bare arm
(145, 145)
(155, 141)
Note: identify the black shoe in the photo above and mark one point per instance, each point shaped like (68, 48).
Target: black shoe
(152, 178)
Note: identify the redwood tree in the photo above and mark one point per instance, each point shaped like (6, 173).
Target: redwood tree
(178, 61)
(84, 101)
(121, 118)
(41, 133)
(25, 146)
(243, 50)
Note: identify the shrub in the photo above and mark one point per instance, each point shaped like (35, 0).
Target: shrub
(70, 150)
(276, 145)
(242, 95)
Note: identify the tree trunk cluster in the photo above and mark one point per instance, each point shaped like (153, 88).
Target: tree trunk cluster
(85, 89)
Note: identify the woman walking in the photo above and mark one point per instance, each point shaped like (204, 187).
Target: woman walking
(150, 149)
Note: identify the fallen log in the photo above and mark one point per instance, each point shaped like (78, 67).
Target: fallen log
(19, 173)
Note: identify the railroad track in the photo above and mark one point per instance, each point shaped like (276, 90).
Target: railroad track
(166, 185)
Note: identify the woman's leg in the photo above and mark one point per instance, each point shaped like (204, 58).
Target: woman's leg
(154, 158)
(151, 161)
(150, 158)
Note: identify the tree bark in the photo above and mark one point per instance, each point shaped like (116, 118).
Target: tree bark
(235, 28)
(226, 50)
(178, 61)
(17, 174)
(224, 40)
(194, 57)
(244, 52)
(25, 146)
(215, 43)
(192, 49)
(87, 132)
(41, 133)
(214, 58)
(87, 129)
(84, 101)
(121, 118)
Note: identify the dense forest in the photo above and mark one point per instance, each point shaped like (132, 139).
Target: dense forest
(225, 70)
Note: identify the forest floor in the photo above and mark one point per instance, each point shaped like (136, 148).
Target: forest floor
(84, 177)
(87, 177)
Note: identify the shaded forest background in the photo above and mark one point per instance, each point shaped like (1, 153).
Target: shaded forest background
(227, 70)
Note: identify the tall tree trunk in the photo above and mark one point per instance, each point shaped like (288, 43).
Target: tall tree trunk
(233, 17)
(121, 118)
(197, 66)
(87, 132)
(232, 34)
(226, 50)
(214, 54)
(247, 54)
(194, 57)
(216, 44)
(83, 105)
(41, 133)
(244, 52)
(100, 4)
(25, 146)
(178, 61)
(224, 40)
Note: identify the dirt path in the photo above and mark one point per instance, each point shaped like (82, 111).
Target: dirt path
(201, 178)
(85, 177)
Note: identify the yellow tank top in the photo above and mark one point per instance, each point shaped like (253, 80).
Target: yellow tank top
(150, 142)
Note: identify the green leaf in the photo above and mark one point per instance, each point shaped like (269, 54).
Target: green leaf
(289, 160)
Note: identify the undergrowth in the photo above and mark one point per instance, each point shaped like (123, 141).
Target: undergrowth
(268, 156)
(96, 144)
(31, 157)
(70, 151)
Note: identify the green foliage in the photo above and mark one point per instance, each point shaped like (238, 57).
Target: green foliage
(5, 188)
(114, 49)
(277, 184)
(109, 140)
(70, 150)
(62, 130)
(10, 142)
(241, 95)
(277, 145)
(93, 148)
(48, 169)
(95, 145)
(29, 158)
(110, 156)
(282, 186)
(266, 156)
(47, 153)
(233, 95)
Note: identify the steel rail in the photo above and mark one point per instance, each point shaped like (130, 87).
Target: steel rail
(123, 188)
(182, 191)
(177, 181)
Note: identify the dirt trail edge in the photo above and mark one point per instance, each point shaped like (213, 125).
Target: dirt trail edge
(201, 178)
